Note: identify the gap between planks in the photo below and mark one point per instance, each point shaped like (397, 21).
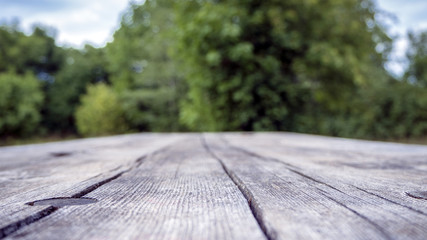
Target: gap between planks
(17, 225)
(253, 206)
(202, 155)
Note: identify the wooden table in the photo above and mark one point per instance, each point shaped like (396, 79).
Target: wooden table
(214, 186)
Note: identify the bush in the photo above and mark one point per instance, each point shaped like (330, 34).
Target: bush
(247, 62)
(396, 110)
(100, 112)
(20, 102)
(400, 111)
(151, 109)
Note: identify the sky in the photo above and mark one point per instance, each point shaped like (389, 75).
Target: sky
(411, 16)
(94, 21)
(77, 21)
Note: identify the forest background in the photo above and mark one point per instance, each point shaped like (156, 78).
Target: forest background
(209, 65)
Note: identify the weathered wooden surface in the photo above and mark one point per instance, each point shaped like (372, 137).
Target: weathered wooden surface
(215, 186)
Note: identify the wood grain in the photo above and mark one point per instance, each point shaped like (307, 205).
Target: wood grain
(179, 193)
(31, 172)
(389, 170)
(215, 186)
(313, 199)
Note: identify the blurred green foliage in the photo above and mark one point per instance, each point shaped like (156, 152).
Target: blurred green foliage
(20, 103)
(417, 56)
(255, 65)
(100, 112)
(141, 68)
(36, 53)
(80, 68)
(213, 65)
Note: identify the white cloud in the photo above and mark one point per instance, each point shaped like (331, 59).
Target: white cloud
(78, 22)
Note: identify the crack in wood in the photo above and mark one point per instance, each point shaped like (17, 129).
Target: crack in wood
(62, 201)
(97, 185)
(288, 166)
(292, 168)
(60, 154)
(418, 194)
(270, 234)
(376, 226)
(391, 201)
(365, 218)
(15, 226)
(140, 160)
(315, 180)
(252, 154)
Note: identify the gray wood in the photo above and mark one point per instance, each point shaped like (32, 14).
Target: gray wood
(179, 193)
(214, 186)
(306, 187)
(389, 170)
(32, 172)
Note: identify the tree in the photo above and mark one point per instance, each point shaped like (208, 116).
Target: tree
(259, 65)
(417, 58)
(142, 71)
(100, 112)
(20, 102)
(81, 68)
(36, 53)
(9, 36)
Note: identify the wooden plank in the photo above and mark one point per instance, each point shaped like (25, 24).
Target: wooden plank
(299, 188)
(388, 170)
(179, 193)
(32, 172)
